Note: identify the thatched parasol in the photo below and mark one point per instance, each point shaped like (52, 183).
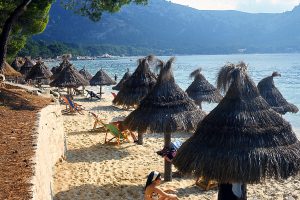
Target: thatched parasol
(26, 67)
(271, 94)
(69, 77)
(138, 85)
(56, 70)
(17, 63)
(101, 78)
(166, 109)
(242, 140)
(201, 90)
(120, 84)
(39, 72)
(85, 74)
(8, 71)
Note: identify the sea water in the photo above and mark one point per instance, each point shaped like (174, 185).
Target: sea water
(259, 66)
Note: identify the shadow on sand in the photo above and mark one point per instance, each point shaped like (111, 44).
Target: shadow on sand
(111, 191)
(195, 190)
(107, 108)
(96, 153)
(94, 192)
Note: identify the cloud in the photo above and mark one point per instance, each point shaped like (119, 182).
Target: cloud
(254, 6)
(209, 4)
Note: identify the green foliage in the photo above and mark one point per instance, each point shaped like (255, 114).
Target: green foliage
(33, 21)
(44, 49)
(36, 17)
(93, 9)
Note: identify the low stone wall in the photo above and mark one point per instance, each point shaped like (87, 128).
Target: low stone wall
(50, 147)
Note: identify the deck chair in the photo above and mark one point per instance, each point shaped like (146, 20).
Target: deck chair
(119, 136)
(206, 184)
(92, 94)
(97, 122)
(73, 107)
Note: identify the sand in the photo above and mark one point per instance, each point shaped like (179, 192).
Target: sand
(94, 170)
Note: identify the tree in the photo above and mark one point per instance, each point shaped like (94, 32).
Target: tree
(15, 30)
(27, 17)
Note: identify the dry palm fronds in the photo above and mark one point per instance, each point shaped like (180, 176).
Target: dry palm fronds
(243, 139)
(124, 78)
(201, 90)
(167, 108)
(138, 85)
(69, 77)
(272, 95)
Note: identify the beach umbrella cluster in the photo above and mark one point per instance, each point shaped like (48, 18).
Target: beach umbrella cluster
(101, 79)
(201, 90)
(69, 78)
(17, 63)
(26, 67)
(138, 85)
(272, 95)
(243, 140)
(56, 70)
(86, 75)
(124, 78)
(39, 72)
(165, 109)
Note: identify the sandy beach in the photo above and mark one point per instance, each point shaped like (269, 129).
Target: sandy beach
(94, 170)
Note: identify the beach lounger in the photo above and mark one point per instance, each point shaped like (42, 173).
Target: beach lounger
(206, 184)
(92, 94)
(71, 106)
(97, 122)
(119, 136)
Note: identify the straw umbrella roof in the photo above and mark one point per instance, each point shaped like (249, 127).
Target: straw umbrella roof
(26, 67)
(39, 71)
(69, 77)
(17, 64)
(7, 70)
(124, 78)
(138, 85)
(201, 90)
(242, 139)
(272, 95)
(101, 78)
(166, 109)
(56, 70)
(85, 74)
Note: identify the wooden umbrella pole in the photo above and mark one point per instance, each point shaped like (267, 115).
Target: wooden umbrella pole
(168, 165)
(140, 138)
(100, 91)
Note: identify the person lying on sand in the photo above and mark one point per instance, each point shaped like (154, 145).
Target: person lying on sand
(154, 193)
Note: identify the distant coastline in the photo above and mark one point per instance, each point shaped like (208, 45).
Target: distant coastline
(51, 50)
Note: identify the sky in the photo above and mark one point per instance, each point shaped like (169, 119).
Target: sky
(252, 6)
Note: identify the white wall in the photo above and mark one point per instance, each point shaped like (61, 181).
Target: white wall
(50, 148)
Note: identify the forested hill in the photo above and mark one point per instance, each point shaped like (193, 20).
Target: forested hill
(180, 29)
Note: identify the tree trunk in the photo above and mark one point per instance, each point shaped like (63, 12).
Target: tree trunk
(7, 27)
(140, 138)
(226, 193)
(168, 165)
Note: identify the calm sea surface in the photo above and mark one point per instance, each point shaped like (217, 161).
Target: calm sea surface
(260, 66)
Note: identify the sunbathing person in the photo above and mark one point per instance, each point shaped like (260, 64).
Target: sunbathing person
(154, 193)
